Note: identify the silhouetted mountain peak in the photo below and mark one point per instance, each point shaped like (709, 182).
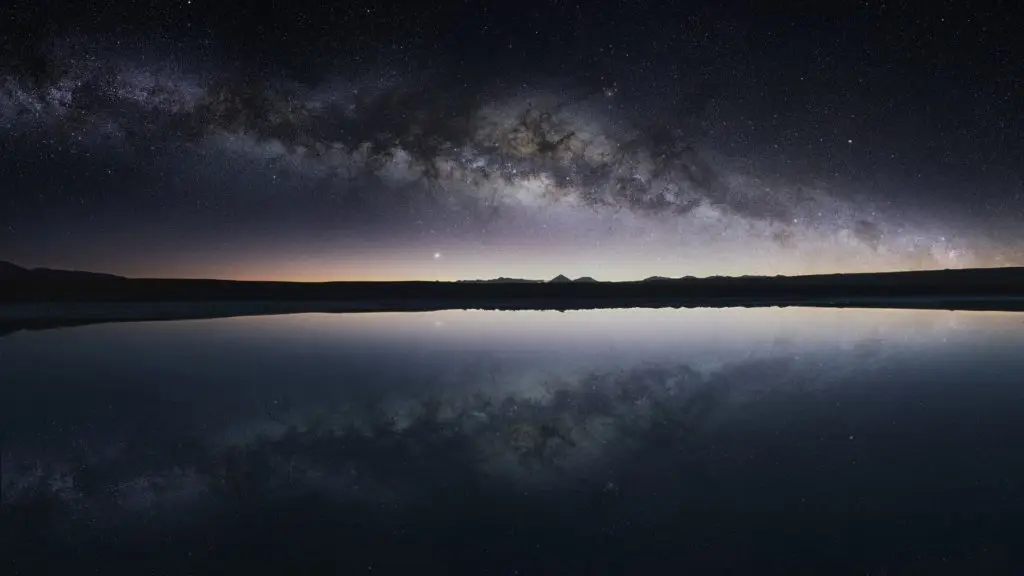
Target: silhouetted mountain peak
(9, 270)
(560, 279)
(585, 279)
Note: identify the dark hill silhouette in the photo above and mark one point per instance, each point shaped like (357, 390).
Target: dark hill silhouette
(560, 279)
(585, 279)
(9, 271)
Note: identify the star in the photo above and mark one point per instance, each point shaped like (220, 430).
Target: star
(437, 255)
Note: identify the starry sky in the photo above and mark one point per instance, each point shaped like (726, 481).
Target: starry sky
(466, 139)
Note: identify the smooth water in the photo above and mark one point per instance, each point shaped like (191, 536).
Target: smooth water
(624, 441)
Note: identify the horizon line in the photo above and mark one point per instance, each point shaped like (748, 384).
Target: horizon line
(498, 279)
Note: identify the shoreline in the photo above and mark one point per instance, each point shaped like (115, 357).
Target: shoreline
(44, 315)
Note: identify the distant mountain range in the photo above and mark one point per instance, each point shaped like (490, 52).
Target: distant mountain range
(1011, 277)
(41, 284)
(560, 279)
(86, 296)
(9, 271)
(501, 280)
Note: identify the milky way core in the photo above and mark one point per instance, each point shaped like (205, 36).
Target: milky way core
(178, 166)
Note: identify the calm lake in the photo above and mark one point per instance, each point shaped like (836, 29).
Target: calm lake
(598, 442)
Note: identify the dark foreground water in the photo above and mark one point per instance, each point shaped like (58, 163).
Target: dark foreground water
(606, 442)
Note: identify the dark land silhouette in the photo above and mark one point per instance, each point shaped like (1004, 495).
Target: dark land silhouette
(40, 298)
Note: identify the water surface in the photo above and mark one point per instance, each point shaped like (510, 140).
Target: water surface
(615, 441)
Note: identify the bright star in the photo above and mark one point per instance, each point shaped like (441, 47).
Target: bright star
(437, 255)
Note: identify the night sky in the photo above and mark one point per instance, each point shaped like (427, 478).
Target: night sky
(464, 139)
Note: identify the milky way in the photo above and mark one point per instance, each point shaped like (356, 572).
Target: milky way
(509, 177)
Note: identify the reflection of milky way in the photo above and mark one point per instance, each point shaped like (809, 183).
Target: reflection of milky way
(373, 453)
(522, 407)
(495, 156)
